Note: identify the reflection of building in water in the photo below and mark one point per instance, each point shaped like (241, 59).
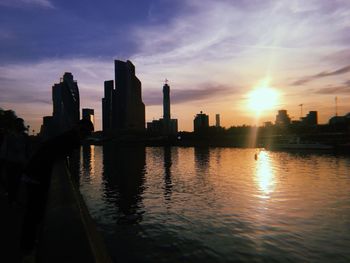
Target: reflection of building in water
(264, 173)
(88, 153)
(167, 173)
(124, 171)
(88, 114)
(202, 156)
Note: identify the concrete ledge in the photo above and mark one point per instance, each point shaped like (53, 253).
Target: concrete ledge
(69, 234)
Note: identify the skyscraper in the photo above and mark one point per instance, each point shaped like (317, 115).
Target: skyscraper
(166, 125)
(66, 105)
(129, 110)
(88, 114)
(166, 102)
(107, 105)
(217, 120)
(122, 106)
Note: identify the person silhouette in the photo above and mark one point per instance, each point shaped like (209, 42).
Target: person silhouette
(38, 177)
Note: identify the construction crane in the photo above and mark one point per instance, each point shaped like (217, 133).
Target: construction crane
(336, 105)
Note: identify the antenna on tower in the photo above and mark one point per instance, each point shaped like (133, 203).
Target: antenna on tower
(166, 81)
(301, 110)
(336, 105)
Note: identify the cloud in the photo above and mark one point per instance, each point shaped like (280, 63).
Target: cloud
(20, 96)
(233, 43)
(334, 90)
(340, 57)
(205, 43)
(343, 89)
(23, 3)
(178, 96)
(307, 79)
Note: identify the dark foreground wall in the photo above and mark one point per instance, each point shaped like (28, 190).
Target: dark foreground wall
(69, 234)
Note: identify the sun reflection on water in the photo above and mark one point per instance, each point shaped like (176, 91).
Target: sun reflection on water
(92, 160)
(264, 174)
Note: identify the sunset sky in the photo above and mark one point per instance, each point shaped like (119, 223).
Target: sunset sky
(214, 53)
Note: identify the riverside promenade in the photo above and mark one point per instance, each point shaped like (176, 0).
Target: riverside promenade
(68, 234)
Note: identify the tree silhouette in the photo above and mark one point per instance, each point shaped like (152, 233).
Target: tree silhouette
(9, 120)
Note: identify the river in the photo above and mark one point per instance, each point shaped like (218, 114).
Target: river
(173, 204)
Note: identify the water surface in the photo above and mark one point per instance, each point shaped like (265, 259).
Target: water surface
(218, 204)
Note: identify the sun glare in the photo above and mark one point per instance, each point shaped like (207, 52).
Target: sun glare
(262, 98)
(264, 174)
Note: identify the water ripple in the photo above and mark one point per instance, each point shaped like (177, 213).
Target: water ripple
(218, 204)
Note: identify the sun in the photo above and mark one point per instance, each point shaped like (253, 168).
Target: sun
(262, 98)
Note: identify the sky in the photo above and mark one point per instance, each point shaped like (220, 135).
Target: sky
(213, 52)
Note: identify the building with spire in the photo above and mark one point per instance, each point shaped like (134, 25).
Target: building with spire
(166, 101)
(165, 125)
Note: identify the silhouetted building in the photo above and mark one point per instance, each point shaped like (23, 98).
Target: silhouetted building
(166, 102)
(66, 105)
(166, 125)
(201, 122)
(156, 126)
(268, 124)
(172, 128)
(340, 120)
(282, 118)
(47, 129)
(107, 105)
(129, 108)
(296, 122)
(217, 120)
(162, 127)
(310, 119)
(169, 125)
(88, 114)
(122, 106)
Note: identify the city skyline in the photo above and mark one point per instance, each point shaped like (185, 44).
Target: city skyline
(214, 54)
